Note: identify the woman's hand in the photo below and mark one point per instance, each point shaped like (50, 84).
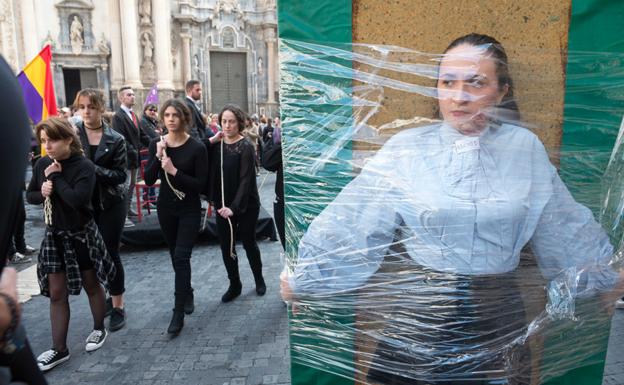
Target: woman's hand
(160, 147)
(46, 188)
(216, 137)
(286, 291)
(225, 212)
(168, 166)
(52, 168)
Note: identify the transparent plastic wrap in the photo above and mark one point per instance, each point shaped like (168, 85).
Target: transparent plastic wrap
(441, 247)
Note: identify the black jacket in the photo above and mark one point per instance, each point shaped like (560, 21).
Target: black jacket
(125, 126)
(198, 128)
(72, 190)
(148, 128)
(271, 157)
(110, 166)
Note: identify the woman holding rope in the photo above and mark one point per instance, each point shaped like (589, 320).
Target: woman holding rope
(72, 254)
(235, 195)
(179, 162)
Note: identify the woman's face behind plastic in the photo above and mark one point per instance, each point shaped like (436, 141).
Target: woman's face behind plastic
(468, 88)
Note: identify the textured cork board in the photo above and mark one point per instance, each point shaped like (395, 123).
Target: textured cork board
(533, 32)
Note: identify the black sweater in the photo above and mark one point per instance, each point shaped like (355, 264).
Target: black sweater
(191, 161)
(239, 170)
(72, 189)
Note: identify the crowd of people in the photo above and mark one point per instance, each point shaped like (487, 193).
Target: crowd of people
(85, 183)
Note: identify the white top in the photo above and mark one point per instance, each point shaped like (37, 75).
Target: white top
(465, 205)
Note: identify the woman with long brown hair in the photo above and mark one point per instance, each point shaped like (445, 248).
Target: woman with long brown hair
(179, 161)
(72, 254)
(106, 148)
(235, 196)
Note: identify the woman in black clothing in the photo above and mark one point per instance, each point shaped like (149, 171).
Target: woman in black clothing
(179, 162)
(235, 196)
(72, 253)
(107, 150)
(149, 124)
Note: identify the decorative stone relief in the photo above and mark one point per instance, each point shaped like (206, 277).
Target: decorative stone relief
(145, 11)
(103, 46)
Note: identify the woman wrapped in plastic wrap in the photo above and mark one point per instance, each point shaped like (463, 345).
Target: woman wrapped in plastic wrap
(463, 198)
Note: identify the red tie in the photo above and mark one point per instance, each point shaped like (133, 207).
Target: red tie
(134, 119)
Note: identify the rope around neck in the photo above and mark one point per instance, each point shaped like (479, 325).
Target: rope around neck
(179, 194)
(232, 253)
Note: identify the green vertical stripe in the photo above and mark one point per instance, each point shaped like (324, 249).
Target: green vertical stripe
(311, 130)
(594, 104)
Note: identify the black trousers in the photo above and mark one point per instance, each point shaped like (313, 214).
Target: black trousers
(110, 222)
(18, 242)
(278, 215)
(244, 226)
(180, 226)
(447, 329)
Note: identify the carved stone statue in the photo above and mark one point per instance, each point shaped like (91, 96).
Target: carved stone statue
(103, 46)
(148, 47)
(75, 35)
(260, 66)
(145, 10)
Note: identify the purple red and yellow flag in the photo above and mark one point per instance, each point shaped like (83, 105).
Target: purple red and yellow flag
(38, 86)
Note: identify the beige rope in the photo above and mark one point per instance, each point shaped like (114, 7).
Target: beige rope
(179, 194)
(232, 254)
(47, 211)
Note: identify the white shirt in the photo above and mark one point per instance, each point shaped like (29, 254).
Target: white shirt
(128, 111)
(465, 205)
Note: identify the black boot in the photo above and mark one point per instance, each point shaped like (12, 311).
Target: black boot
(233, 291)
(177, 322)
(260, 286)
(189, 303)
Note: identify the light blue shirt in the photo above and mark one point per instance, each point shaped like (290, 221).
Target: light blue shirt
(465, 205)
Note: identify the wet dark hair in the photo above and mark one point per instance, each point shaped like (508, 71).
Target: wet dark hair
(497, 51)
(181, 108)
(238, 113)
(59, 129)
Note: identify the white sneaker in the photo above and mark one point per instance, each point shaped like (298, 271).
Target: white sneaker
(51, 358)
(19, 258)
(96, 340)
(128, 223)
(619, 304)
(29, 249)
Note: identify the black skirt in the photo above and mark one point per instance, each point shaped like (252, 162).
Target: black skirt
(451, 329)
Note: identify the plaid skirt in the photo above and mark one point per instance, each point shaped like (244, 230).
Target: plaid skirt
(50, 260)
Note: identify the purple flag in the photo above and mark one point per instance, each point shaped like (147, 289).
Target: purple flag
(152, 96)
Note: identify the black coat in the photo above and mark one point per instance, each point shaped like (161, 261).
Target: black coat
(148, 128)
(110, 165)
(131, 133)
(198, 127)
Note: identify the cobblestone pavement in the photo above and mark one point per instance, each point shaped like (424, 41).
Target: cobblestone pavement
(241, 343)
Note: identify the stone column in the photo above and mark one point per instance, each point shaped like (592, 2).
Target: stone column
(29, 31)
(162, 42)
(117, 74)
(271, 55)
(130, 42)
(186, 57)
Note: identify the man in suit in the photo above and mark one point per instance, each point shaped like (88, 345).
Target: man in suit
(193, 96)
(126, 122)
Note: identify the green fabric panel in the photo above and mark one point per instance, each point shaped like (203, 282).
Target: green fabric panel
(594, 104)
(312, 130)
